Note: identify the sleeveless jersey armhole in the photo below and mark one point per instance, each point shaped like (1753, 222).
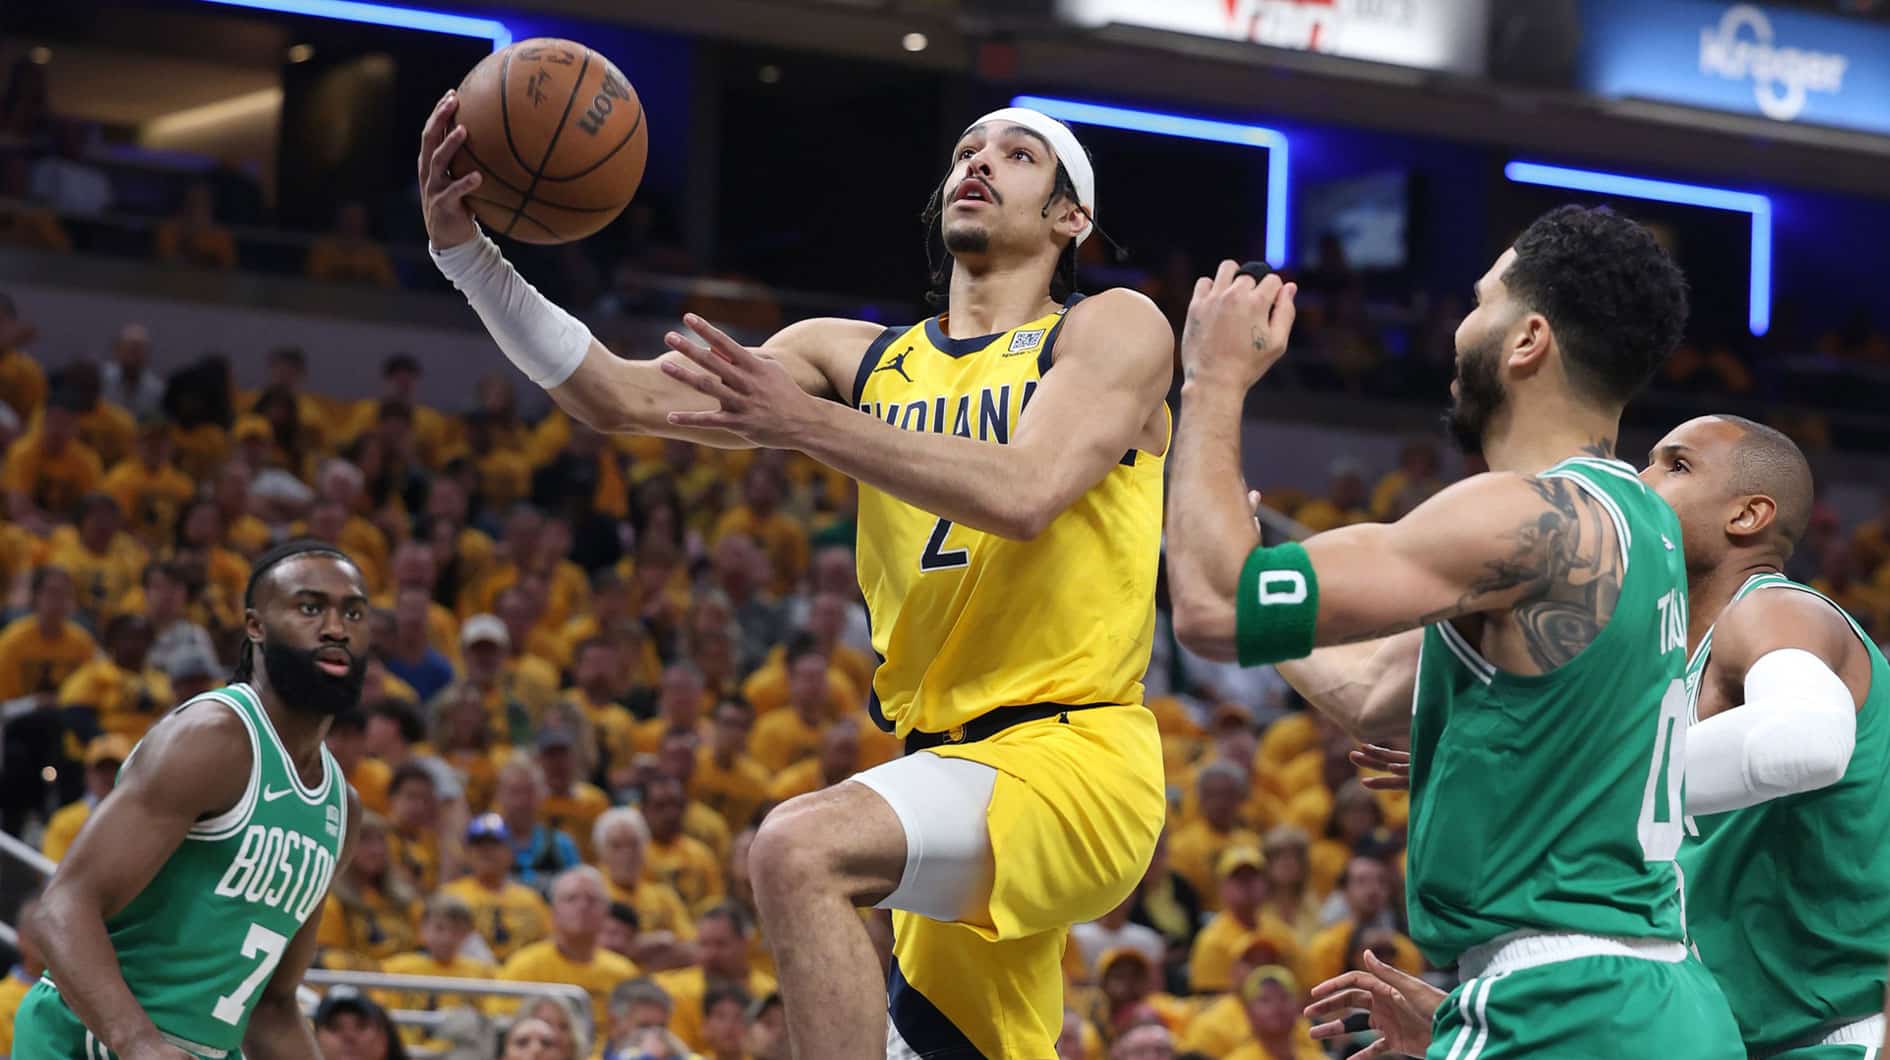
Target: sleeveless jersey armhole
(870, 359)
(232, 820)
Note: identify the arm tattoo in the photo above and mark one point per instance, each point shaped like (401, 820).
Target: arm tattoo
(1559, 581)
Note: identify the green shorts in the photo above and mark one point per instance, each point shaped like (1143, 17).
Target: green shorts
(45, 1029)
(1603, 1006)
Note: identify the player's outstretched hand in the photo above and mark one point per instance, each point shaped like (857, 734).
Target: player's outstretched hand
(1385, 760)
(443, 199)
(759, 400)
(1400, 1006)
(1237, 329)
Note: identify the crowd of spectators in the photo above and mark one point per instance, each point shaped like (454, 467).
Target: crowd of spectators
(597, 662)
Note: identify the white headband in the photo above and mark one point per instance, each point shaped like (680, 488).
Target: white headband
(1069, 152)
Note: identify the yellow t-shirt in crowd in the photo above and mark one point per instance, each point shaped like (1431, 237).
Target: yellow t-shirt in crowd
(687, 987)
(22, 386)
(1211, 964)
(100, 579)
(509, 918)
(370, 777)
(64, 828)
(541, 962)
(735, 793)
(151, 498)
(766, 689)
(421, 962)
(127, 702)
(376, 928)
(1324, 957)
(658, 906)
(688, 865)
(782, 738)
(30, 662)
(419, 856)
(1194, 847)
(54, 482)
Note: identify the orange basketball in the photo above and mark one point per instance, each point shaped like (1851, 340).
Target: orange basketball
(559, 134)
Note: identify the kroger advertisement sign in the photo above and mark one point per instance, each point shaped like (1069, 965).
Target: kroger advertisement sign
(1433, 34)
(1787, 65)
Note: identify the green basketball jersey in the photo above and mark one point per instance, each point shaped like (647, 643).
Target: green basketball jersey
(199, 942)
(1551, 802)
(1789, 900)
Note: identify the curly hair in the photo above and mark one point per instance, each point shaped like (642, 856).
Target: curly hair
(1616, 302)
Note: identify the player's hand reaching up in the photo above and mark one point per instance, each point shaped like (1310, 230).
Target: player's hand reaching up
(1237, 329)
(443, 199)
(1400, 1006)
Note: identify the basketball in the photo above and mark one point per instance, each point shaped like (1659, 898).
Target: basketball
(559, 135)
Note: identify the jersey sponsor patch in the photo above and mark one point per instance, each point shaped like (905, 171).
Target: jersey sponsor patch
(1026, 341)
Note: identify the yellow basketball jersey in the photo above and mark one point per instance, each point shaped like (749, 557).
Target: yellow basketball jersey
(965, 621)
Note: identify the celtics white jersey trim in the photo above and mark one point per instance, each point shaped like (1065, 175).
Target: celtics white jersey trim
(1623, 536)
(231, 821)
(312, 796)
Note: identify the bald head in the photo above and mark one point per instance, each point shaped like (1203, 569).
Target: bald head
(1765, 461)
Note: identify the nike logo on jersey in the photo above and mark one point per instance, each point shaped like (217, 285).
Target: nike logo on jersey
(1665, 541)
(271, 795)
(897, 364)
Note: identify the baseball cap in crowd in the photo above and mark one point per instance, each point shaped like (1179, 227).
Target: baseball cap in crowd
(186, 664)
(1268, 973)
(1233, 859)
(552, 737)
(1117, 954)
(487, 826)
(482, 629)
(341, 999)
(110, 747)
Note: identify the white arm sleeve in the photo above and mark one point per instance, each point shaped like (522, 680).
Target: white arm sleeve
(1794, 732)
(545, 342)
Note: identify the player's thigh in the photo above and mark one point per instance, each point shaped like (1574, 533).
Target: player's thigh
(954, 994)
(1591, 1007)
(942, 806)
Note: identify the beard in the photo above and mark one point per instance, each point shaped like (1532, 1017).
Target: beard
(967, 239)
(307, 688)
(1478, 399)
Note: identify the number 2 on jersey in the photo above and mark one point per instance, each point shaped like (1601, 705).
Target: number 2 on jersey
(1661, 827)
(936, 557)
(260, 940)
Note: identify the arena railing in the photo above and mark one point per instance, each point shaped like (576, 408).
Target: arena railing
(437, 984)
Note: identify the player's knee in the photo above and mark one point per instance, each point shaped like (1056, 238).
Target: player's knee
(821, 842)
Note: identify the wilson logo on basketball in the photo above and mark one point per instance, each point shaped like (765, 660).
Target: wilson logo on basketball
(612, 90)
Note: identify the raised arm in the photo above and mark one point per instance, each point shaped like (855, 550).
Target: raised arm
(185, 769)
(1792, 674)
(277, 1029)
(1113, 364)
(1497, 541)
(556, 351)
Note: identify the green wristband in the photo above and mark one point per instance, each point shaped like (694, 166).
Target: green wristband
(1277, 605)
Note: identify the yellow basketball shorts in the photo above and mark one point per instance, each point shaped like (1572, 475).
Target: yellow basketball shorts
(1074, 812)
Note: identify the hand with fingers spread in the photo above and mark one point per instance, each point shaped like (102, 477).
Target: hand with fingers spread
(1400, 1005)
(1237, 329)
(1385, 760)
(759, 401)
(442, 198)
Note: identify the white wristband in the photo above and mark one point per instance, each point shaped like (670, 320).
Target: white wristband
(545, 342)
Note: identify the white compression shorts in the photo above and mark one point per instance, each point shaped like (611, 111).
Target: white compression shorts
(941, 804)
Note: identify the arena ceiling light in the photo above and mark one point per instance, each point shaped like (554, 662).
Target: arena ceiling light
(1162, 123)
(1758, 207)
(386, 15)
